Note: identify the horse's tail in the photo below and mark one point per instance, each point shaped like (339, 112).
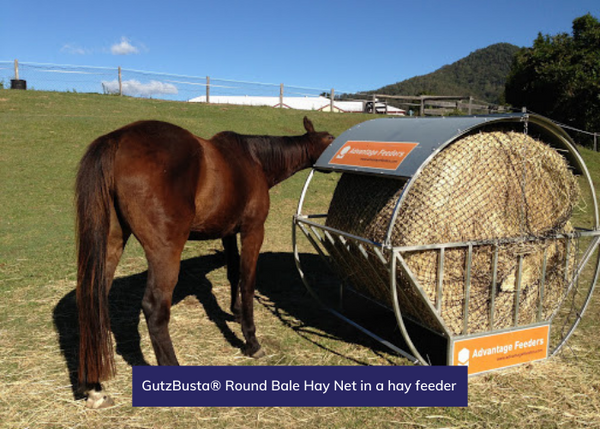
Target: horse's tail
(94, 195)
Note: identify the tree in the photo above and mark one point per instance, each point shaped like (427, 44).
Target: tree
(559, 76)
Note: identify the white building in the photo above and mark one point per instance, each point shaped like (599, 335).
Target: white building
(301, 103)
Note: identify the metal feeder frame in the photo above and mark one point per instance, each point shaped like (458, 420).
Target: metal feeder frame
(433, 135)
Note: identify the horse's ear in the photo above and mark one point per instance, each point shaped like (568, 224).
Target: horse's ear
(308, 126)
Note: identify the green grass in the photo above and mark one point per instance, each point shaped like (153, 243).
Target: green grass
(43, 136)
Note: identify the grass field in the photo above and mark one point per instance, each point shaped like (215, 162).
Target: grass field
(43, 136)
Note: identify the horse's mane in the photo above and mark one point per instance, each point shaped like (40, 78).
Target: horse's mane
(279, 156)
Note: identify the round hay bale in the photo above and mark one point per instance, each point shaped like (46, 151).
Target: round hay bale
(493, 184)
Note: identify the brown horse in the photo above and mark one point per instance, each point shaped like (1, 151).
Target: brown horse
(165, 186)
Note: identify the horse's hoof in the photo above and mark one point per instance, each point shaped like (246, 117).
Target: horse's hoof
(260, 353)
(97, 400)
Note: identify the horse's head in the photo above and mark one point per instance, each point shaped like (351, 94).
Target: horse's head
(318, 140)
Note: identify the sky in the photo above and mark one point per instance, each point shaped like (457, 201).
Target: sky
(348, 45)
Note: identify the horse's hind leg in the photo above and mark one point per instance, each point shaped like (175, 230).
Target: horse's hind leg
(163, 271)
(251, 243)
(233, 273)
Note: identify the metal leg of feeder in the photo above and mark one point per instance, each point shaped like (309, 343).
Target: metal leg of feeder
(585, 304)
(401, 325)
(584, 260)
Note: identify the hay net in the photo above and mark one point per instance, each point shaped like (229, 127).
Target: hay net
(489, 185)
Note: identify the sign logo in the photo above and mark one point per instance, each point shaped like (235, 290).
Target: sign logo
(377, 155)
(493, 351)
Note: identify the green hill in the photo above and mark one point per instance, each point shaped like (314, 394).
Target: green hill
(481, 74)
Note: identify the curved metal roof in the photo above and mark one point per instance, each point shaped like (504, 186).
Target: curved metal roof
(376, 145)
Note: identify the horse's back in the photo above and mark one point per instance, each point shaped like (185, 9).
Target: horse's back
(210, 187)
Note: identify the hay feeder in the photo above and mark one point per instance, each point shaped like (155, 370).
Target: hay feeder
(476, 237)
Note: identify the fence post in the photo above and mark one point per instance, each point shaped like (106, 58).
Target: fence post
(595, 142)
(207, 89)
(120, 82)
(332, 97)
(281, 96)
(470, 105)
(16, 69)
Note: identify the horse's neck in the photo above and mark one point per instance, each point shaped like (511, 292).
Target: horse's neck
(280, 157)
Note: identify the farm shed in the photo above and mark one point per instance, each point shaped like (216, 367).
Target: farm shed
(473, 230)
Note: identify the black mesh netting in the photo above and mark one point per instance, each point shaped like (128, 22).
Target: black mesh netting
(485, 186)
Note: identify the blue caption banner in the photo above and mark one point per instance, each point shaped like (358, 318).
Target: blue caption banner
(300, 386)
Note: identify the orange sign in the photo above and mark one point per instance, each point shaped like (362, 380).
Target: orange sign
(379, 155)
(493, 351)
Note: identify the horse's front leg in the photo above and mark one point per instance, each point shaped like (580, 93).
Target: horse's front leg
(232, 257)
(251, 243)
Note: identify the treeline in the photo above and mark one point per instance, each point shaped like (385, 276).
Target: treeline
(559, 76)
(482, 75)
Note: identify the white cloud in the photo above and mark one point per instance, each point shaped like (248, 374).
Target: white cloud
(124, 48)
(73, 49)
(134, 87)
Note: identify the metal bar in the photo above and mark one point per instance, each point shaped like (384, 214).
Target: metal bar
(567, 261)
(316, 233)
(492, 242)
(440, 273)
(303, 193)
(493, 288)
(397, 311)
(499, 331)
(315, 216)
(304, 220)
(380, 255)
(542, 285)
(467, 291)
(332, 263)
(412, 358)
(347, 271)
(312, 240)
(374, 270)
(421, 293)
(390, 228)
(518, 290)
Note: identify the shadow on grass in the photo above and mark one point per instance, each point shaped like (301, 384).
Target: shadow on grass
(280, 289)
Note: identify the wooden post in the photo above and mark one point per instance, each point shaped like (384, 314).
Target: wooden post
(281, 96)
(332, 97)
(595, 142)
(16, 69)
(120, 82)
(422, 106)
(207, 89)
(470, 105)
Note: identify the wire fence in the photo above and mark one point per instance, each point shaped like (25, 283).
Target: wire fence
(137, 83)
